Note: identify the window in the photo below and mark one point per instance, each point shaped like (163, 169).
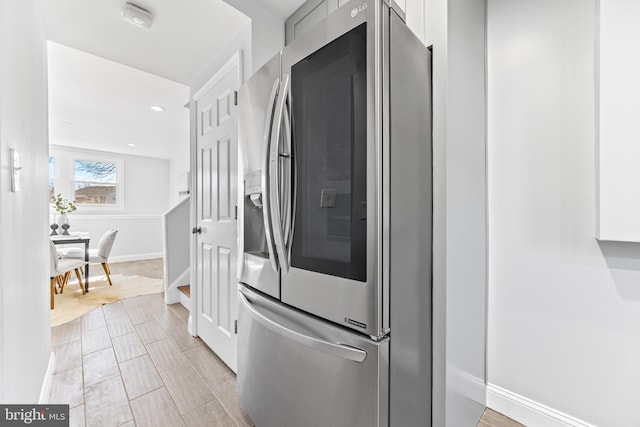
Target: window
(52, 177)
(95, 182)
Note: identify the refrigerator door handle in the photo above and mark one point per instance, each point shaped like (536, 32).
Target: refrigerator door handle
(275, 177)
(287, 184)
(340, 350)
(292, 184)
(266, 196)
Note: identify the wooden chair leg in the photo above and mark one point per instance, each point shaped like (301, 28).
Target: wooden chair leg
(52, 286)
(65, 280)
(80, 282)
(107, 271)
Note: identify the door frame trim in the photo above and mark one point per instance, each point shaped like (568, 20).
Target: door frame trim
(234, 60)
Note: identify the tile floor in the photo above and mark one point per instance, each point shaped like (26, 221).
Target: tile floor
(133, 363)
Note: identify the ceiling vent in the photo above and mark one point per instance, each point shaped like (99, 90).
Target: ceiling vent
(137, 15)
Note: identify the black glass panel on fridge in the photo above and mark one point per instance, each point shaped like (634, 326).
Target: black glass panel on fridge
(329, 119)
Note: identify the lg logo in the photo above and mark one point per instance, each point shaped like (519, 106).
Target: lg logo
(358, 9)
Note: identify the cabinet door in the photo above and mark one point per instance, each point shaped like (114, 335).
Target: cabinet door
(309, 14)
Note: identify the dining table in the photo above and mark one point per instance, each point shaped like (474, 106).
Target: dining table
(76, 238)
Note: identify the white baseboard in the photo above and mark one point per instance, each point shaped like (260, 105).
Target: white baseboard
(171, 293)
(527, 411)
(190, 326)
(172, 296)
(135, 257)
(464, 383)
(185, 301)
(45, 391)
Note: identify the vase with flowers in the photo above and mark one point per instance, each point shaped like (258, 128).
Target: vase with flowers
(63, 207)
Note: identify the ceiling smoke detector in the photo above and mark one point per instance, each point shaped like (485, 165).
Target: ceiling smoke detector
(137, 15)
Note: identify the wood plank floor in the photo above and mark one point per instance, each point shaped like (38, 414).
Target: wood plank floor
(133, 363)
(491, 418)
(149, 268)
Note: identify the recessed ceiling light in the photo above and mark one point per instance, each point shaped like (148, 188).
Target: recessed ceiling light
(131, 145)
(137, 15)
(157, 108)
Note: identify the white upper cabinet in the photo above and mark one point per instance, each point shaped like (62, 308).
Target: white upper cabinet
(309, 14)
(618, 124)
(314, 11)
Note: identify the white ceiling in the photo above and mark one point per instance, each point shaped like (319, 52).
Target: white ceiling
(184, 37)
(104, 72)
(99, 104)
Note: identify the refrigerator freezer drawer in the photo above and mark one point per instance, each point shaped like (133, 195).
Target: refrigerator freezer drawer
(294, 370)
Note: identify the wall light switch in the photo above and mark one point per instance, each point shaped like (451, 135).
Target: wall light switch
(15, 170)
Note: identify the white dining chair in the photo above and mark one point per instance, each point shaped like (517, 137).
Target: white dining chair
(60, 272)
(99, 255)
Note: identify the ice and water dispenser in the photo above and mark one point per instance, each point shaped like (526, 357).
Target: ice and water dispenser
(255, 242)
(257, 270)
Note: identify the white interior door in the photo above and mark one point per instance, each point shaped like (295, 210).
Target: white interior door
(215, 229)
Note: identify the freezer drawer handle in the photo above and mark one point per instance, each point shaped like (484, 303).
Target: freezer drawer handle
(343, 351)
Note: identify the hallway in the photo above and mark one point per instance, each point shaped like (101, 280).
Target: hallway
(132, 362)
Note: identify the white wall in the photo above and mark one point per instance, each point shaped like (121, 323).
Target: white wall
(564, 311)
(25, 337)
(466, 190)
(436, 35)
(179, 167)
(146, 198)
(456, 29)
(415, 17)
(241, 42)
(267, 32)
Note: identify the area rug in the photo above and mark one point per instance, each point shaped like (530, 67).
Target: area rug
(72, 304)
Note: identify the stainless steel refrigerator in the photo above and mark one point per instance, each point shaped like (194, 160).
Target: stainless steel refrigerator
(334, 323)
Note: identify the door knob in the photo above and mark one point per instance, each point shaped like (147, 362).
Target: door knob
(195, 230)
